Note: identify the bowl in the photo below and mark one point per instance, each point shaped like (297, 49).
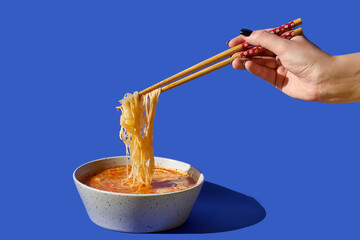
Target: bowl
(137, 213)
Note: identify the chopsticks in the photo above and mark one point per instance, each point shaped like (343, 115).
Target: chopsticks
(229, 52)
(246, 54)
(247, 51)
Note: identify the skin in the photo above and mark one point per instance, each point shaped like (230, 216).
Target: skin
(302, 70)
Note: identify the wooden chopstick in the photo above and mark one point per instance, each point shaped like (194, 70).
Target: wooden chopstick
(229, 52)
(246, 54)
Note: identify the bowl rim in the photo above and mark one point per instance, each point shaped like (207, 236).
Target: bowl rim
(198, 184)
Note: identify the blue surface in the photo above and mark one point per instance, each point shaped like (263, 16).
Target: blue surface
(65, 64)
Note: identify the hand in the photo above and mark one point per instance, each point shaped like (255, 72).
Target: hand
(302, 70)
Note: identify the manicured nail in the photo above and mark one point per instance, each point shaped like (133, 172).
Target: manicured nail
(246, 32)
(227, 43)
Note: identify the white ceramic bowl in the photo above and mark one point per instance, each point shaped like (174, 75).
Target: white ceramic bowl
(137, 212)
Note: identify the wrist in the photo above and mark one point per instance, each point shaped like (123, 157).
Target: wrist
(340, 79)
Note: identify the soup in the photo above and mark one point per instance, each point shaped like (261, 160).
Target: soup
(164, 180)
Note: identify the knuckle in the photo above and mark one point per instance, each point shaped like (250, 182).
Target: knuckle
(258, 35)
(261, 37)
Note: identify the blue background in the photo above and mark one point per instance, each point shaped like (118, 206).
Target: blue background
(65, 64)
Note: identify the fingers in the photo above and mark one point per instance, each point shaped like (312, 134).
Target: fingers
(265, 39)
(264, 68)
(269, 41)
(241, 63)
(239, 39)
(268, 70)
(261, 71)
(238, 64)
(236, 41)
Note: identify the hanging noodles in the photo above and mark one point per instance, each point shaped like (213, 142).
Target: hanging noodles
(137, 123)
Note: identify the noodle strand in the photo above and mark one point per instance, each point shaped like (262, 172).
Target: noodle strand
(137, 124)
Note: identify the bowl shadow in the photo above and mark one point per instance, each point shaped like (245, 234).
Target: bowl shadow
(219, 209)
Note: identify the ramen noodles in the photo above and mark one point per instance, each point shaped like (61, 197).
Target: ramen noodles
(137, 123)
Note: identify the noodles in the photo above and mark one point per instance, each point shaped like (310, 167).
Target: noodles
(137, 122)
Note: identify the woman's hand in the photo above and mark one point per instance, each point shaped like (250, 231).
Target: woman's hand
(302, 70)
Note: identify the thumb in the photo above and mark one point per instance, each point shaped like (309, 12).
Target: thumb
(270, 41)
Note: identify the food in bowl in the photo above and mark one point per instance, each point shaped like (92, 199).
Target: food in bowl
(139, 192)
(137, 212)
(115, 179)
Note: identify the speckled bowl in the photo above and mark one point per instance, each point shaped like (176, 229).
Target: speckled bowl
(138, 213)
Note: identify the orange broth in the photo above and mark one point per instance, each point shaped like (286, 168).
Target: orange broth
(164, 180)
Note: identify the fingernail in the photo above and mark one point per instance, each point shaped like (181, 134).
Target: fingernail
(246, 32)
(227, 43)
(244, 62)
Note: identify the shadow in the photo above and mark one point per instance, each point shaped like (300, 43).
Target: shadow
(219, 209)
